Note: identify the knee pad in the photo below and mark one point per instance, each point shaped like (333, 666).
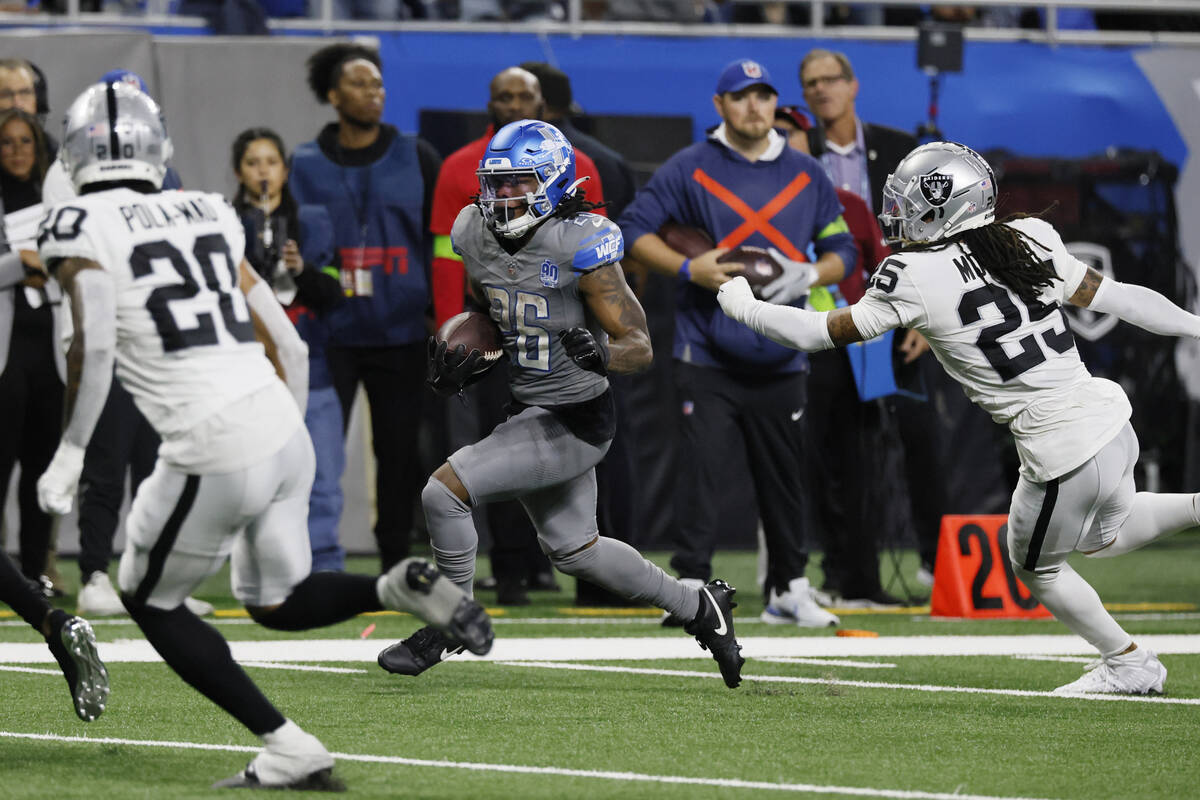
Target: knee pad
(577, 562)
(436, 498)
(1036, 579)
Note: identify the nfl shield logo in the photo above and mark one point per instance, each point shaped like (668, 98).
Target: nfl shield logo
(549, 274)
(936, 188)
(752, 69)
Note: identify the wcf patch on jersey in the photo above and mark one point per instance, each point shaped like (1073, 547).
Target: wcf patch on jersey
(607, 247)
(549, 274)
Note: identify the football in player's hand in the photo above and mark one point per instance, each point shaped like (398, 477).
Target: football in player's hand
(473, 330)
(755, 264)
(686, 240)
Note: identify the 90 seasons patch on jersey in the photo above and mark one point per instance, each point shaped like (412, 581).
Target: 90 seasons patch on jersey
(936, 188)
(549, 274)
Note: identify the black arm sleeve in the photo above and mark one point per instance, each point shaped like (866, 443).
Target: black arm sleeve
(318, 291)
(431, 165)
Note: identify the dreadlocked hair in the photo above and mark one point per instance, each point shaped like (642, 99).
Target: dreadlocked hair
(1004, 252)
(577, 203)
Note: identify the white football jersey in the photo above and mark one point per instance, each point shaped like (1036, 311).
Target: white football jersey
(1016, 360)
(186, 348)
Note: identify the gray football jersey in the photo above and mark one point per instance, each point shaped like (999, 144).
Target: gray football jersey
(534, 294)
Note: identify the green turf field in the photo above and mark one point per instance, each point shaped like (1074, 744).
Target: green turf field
(620, 725)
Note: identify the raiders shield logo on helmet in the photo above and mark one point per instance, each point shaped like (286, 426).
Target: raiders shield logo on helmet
(936, 188)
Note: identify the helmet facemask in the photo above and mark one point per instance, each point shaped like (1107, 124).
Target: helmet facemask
(512, 213)
(536, 151)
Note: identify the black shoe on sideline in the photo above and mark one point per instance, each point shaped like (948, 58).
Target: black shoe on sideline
(544, 582)
(419, 652)
(511, 593)
(713, 629)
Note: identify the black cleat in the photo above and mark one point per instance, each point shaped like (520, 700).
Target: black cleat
(419, 652)
(544, 582)
(320, 781)
(74, 647)
(471, 627)
(713, 629)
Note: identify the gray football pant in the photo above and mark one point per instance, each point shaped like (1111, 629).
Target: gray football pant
(535, 459)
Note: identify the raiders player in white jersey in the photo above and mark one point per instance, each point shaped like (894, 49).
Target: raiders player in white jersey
(550, 273)
(158, 282)
(988, 296)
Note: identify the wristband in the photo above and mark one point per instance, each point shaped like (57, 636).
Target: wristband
(685, 272)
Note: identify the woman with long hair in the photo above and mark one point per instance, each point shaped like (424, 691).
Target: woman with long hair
(290, 247)
(31, 389)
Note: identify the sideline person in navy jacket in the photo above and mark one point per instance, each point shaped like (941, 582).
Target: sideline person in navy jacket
(743, 186)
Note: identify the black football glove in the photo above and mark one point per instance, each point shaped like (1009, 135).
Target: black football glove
(449, 371)
(585, 350)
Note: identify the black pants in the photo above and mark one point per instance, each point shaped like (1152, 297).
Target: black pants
(767, 415)
(394, 379)
(924, 462)
(31, 405)
(123, 439)
(843, 432)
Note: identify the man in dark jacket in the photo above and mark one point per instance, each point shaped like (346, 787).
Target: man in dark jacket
(743, 186)
(377, 185)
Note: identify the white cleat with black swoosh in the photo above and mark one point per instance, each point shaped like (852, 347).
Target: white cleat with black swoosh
(713, 629)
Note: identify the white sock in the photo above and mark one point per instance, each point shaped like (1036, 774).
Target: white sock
(288, 730)
(1074, 603)
(1153, 517)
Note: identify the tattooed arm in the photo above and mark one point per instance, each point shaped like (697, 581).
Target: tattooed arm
(790, 326)
(612, 303)
(89, 375)
(1135, 304)
(93, 345)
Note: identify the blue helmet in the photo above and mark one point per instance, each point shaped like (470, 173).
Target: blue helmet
(536, 151)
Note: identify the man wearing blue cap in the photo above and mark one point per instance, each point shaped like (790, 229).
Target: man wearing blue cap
(743, 186)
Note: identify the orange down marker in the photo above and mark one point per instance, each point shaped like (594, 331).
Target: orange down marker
(974, 577)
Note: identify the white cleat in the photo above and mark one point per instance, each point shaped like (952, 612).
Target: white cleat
(292, 759)
(98, 598)
(1136, 672)
(200, 608)
(796, 606)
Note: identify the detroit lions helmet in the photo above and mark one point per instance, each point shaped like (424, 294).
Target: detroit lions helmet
(526, 148)
(937, 190)
(115, 132)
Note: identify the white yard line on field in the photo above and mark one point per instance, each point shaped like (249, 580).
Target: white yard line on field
(831, 662)
(632, 777)
(303, 667)
(632, 648)
(914, 687)
(32, 669)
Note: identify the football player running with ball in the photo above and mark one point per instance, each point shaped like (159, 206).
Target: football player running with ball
(551, 275)
(157, 281)
(988, 296)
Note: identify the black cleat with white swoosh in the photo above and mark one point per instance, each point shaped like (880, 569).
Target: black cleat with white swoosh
(419, 652)
(713, 629)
